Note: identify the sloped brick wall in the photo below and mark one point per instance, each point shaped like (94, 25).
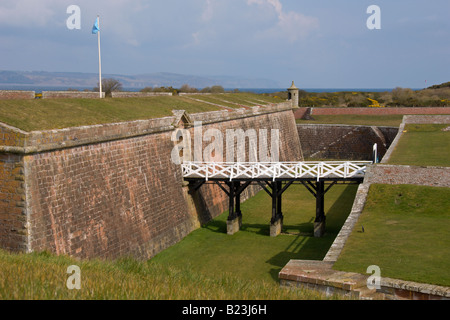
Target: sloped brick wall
(107, 200)
(344, 142)
(113, 190)
(13, 233)
(13, 218)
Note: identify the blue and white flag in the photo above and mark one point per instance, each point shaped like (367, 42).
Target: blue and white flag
(95, 28)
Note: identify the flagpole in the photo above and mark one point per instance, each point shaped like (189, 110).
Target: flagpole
(99, 60)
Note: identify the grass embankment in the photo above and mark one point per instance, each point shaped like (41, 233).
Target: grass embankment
(406, 234)
(41, 276)
(208, 264)
(423, 145)
(361, 120)
(49, 114)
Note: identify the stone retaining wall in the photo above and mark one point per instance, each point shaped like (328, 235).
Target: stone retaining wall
(426, 119)
(124, 94)
(300, 112)
(16, 95)
(346, 142)
(71, 95)
(422, 176)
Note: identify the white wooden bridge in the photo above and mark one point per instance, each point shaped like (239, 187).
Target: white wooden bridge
(275, 171)
(274, 178)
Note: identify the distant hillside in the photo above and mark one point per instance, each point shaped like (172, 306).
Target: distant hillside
(440, 86)
(77, 79)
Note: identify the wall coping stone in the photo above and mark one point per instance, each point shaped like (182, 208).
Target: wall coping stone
(71, 94)
(424, 288)
(426, 119)
(341, 125)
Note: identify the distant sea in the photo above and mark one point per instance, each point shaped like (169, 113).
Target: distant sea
(39, 89)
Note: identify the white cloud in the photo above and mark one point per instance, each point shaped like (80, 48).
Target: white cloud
(19, 13)
(291, 25)
(208, 12)
(205, 30)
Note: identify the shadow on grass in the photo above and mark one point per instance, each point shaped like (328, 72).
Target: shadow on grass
(216, 225)
(303, 230)
(304, 246)
(254, 244)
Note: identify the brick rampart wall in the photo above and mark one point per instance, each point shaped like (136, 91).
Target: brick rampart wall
(344, 142)
(113, 190)
(16, 95)
(300, 112)
(12, 191)
(107, 200)
(13, 233)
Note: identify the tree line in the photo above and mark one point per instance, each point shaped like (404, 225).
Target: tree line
(110, 85)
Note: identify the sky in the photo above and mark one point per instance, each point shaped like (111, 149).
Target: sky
(316, 43)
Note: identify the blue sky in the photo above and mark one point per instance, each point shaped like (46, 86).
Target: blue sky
(317, 43)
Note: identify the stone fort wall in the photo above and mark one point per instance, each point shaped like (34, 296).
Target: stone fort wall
(344, 142)
(16, 95)
(30, 95)
(112, 190)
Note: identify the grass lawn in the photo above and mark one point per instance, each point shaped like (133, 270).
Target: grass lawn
(387, 121)
(423, 145)
(207, 264)
(49, 114)
(251, 253)
(406, 234)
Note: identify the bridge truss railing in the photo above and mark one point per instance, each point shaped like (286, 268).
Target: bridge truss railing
(276, 170)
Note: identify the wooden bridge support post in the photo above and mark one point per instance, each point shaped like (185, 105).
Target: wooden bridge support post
(234, 222)
(276, 223)
(319, 223)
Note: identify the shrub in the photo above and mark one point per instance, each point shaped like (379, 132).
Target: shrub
(188, 89)
(108, 86)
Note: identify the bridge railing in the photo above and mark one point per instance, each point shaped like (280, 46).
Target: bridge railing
(275, 170)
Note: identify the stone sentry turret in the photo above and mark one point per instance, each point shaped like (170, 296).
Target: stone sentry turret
(293, 93)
